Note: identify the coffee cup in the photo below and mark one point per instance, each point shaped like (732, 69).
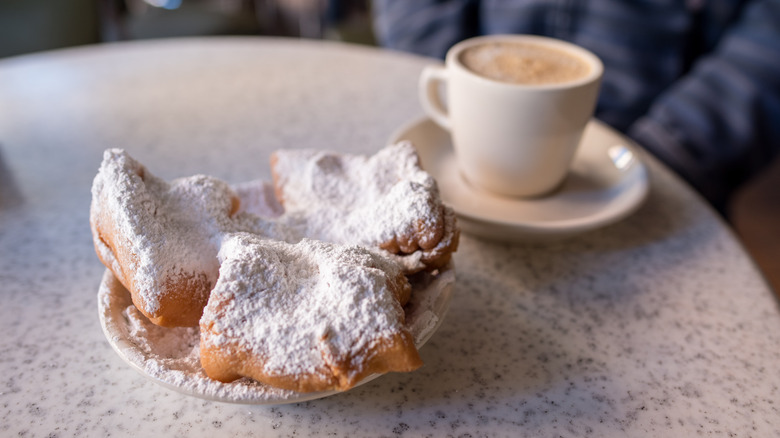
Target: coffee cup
(516, 107)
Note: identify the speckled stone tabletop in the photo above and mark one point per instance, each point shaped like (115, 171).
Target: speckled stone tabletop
(659, 325)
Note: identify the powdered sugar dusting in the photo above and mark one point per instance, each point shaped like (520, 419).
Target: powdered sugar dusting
(138, 341)
(358, 199)
(175, 229)
(293, 304)
(258, 198)
(172, 229)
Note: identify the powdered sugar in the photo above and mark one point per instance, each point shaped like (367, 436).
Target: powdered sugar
(177, 228)
(301, 307)
(357, 199)
(170, 229)
(257, 198)
(174, 230)
(151, 349)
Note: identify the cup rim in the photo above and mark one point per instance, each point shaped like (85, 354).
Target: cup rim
(452, 59)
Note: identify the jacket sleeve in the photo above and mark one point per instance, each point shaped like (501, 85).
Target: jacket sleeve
(720, 123)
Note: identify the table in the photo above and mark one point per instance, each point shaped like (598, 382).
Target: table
(659, 325)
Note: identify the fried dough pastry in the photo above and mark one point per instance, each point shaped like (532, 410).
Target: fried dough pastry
(160, 239)
(310, 316)
(385, 201)
(305, 294)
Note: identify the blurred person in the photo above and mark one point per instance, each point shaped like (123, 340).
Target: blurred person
(696, 82)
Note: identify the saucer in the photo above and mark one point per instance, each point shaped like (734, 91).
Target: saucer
(607, 182)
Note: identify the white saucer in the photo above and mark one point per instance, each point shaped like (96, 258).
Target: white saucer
(607, 182)
(170, 356)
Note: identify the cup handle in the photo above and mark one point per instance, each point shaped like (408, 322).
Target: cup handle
(430, 78)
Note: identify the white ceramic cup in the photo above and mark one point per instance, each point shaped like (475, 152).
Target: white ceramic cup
(511, 139)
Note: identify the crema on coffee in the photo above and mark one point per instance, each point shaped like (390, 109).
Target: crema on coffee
(523, 63)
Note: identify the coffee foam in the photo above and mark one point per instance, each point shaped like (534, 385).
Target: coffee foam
(523, 63)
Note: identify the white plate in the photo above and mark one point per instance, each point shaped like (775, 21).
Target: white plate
(170, 356)
(606, 183)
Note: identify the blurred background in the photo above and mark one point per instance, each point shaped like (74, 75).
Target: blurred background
(35, 25)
